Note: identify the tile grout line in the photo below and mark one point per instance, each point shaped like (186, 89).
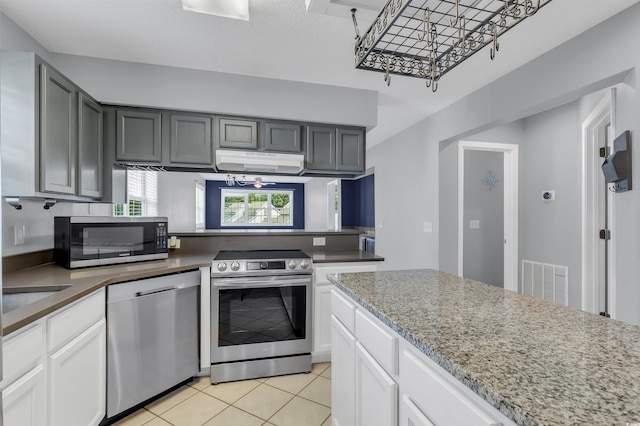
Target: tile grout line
(240, 409)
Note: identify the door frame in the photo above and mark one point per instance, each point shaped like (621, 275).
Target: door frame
(600, 116)
(510, 152)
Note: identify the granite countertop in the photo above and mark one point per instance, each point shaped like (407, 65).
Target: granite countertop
(84, 281)
(537, 362)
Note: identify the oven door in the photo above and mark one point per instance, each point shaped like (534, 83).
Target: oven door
(260, 317)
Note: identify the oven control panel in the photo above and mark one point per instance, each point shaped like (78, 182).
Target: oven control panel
(281, 266)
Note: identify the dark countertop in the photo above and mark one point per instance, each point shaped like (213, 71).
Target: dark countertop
(337, 256)
(537, 362)
(84, 281)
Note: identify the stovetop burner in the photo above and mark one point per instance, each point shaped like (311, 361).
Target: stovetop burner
(260, 254)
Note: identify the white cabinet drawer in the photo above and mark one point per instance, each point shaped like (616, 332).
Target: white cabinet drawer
(66, 325)
(410, 414)
(343, 310)
(378, 342)
(437, 397)
(23, 351)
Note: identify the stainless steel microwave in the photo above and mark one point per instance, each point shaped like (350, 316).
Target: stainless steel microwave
(81, 241)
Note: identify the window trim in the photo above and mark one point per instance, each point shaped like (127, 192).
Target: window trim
(245, 192)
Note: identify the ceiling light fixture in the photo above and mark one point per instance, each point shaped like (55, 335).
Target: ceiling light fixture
(236, 9)
(232, 180)
(428, 38)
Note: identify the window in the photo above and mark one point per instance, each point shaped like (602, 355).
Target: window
(142, 195)
(256, 208)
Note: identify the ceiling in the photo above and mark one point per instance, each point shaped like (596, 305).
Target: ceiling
(283, 40)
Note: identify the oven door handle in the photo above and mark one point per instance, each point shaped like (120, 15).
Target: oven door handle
(251, 282)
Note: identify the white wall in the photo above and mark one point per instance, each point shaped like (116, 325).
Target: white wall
(406, 196)
(315, 203)
(131, 83)
(12, 37)
(556, 78)
(177, 199)
(39, 223)
(551, 231)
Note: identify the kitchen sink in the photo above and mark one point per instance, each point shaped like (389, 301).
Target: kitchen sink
(17, 297)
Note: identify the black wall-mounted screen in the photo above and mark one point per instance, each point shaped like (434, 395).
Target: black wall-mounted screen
(617, 166)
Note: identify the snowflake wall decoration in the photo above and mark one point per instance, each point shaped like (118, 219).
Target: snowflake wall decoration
(491, 180)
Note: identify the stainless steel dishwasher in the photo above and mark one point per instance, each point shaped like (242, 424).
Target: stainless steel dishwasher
(152, 338)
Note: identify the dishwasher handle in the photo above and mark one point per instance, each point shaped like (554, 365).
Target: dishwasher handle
(157, 290)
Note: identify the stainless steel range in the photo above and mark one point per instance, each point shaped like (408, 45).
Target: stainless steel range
(260, 314)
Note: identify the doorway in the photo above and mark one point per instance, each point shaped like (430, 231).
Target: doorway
(509, 169)
(598, 208)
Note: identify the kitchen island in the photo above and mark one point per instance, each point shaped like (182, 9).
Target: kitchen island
(535, 362)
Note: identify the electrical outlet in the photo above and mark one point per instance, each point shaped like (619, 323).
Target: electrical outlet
(474, 224)
(18, 234)
(319, 241)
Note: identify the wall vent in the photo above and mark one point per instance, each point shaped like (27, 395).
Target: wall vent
(546, 281)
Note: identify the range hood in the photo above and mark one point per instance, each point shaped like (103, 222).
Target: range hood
(263, 162)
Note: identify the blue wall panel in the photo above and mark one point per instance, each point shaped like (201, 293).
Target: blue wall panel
(213, 208)
(366, 190)
(348, 202)
(358, 202)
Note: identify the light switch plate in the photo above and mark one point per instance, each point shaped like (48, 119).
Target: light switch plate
(319, 241)
(18, 234)
(427, 226)
(474, 224)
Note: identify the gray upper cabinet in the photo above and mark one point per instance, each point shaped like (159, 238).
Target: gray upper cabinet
(138, 135)
(334, 150)
(58, 138)
(321, 148)
(242, 134)
(282, 137)
(191, 139)
(90, 145)
(52, 136)
(350, 150)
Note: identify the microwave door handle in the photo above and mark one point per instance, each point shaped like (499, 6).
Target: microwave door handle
(156, 291)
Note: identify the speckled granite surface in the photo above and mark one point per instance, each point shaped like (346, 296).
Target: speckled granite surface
(537, 362)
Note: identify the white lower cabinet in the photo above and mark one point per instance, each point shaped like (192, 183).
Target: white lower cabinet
(322, 303)
(24, 401)
(55, 368)
(376, 392)
(77, 379)
(322, 311)
(395, 384)
(342, 366)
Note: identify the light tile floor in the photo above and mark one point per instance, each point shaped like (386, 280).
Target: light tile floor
(297, 400)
